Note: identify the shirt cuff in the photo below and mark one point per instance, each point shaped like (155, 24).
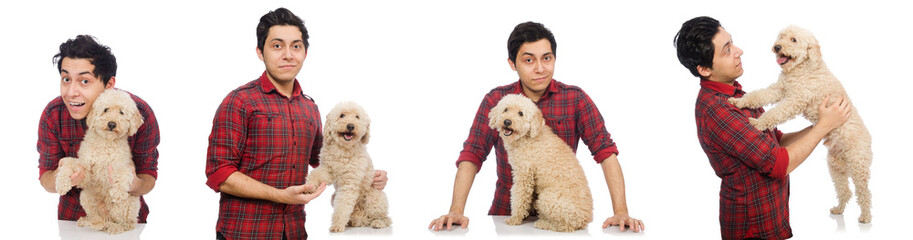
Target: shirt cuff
(219, 176)
(152, 173)
(782, 161)
(605, 153)
(467, 156)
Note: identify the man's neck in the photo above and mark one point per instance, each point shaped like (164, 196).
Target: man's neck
(283, 87)
(532, 95)
(729, 82)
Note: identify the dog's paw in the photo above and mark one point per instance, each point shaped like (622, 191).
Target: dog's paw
(757, 124)
(63, 185)
(865, 218)
(115, 228)
(514, 221)
(337, 228)
(381, 223)
(737, 102)
(836, 210)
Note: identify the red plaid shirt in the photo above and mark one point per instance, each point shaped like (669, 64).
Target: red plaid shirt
(567, 110)
(754, 193)
(59, 136)
(271, 138)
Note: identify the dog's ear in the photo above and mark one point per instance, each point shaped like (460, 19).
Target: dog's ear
(493, 116)
(136, 120)
(814, 49)
(367, 136)
(536, 124)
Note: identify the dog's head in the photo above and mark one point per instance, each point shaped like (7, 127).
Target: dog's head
(114, 115)
(347, 124)
(515, 117)
(796, 46)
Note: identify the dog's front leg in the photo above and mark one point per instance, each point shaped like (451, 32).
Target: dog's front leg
(346, 196)
(521, 194)
(786, 110)
(320, 175)
(759, 98)
(66, 167)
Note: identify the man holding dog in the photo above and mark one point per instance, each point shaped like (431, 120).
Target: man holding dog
(86, 69)
(754, 166)
(568, 111)
(264, 135)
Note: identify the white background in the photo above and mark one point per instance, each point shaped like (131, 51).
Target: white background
(421, 69)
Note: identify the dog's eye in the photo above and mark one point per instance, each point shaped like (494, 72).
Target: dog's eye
(121, 112)
(521, 113)
(794, 39)
(356, 117)
(342, 115)
(505, 110)
(106, 110)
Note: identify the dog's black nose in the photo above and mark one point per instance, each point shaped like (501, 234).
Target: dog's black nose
(112, 125)
(777, 48)
(507, 123)
(350, 127)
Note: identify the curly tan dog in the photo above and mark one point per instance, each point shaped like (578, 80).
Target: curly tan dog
(344, 162)
(105, 157)
(803, 84)
(542, 165)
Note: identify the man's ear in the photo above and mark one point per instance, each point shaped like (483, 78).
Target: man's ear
(110, 84)
(513, 66)
(703, 71)
(259, 53)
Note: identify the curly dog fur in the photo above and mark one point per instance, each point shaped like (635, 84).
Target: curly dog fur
(803, 84)
(543, 165)
(344, 162)
(107, 163)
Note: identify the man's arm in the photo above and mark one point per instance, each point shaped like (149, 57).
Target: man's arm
(142, 184)
(466, 174)
(615, 180)
(244, 186)
(830, 117)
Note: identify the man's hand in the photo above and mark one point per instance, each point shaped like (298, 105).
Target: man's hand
(380, 179)
(301, 194)
(449, 220)
(622, 220)
(831, 116)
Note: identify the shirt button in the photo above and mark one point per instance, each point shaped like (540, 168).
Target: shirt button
(293, 166)
(295, 143)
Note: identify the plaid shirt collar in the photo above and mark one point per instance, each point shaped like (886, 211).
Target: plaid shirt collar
(723, 88)
(551, 90)
(268, 86)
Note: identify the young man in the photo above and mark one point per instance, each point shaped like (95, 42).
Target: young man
(264, 135)
(754, 166)
(86, 69)
(567, 110)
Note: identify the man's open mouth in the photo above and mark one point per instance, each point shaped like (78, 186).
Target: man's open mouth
(783, 59)
(507, 131)
(348, 136)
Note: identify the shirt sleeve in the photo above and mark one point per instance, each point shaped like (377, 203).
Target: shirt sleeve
(591, 128)
(318, 143)
(146, 141)
(481, 137)
(49, 149)
(738, 138)
(225, 141)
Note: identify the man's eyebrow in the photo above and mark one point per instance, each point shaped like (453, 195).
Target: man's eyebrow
(727, 44)
(67, 72)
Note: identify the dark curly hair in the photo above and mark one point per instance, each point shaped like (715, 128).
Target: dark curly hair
(694, 43)
(528, 32)
(280, 16)
(85, 46)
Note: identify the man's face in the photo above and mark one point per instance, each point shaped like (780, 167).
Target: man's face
(79, 86)
(283, 53)
(535, 65)
(727, 61)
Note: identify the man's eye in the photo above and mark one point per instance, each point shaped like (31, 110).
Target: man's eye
(85, 81)
(276, 46)
(66, 80)
(529, 60)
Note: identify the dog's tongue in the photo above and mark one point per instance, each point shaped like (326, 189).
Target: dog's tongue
(782, 60)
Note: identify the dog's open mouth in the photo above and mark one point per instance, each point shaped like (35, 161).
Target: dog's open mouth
(507, 131)
(348, 136)
(783, 59)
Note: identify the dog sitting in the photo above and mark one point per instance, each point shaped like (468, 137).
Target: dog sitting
(107, 163)
(344, 162)
(543, 165)
(803, 83)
